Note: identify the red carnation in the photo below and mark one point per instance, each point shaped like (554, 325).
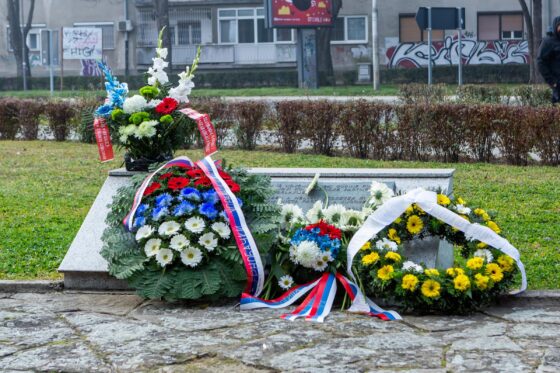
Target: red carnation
(233, 186)
(326, 229)
(152, 188)
(195, 173)
(178, 183)
(203, 181)
(224, 175)
(167, 106)
(166, 175)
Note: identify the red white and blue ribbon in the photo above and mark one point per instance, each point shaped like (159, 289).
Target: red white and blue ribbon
(242, 234)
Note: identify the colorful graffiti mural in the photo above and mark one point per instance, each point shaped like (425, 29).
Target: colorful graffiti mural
(474, 52)
(89, 68)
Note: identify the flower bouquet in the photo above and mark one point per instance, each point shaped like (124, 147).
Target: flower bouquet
(148, 125)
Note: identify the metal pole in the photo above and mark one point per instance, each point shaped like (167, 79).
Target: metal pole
(429, 45)
(460, 46)
(23, 44)
(126, 72)
(51, 58)
(374, 45)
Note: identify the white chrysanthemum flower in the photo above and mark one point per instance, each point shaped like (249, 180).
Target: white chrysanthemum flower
(144, 232)
(313, 184)
(151, 247)
(209, 241)
(222, 229)
(179, 242)
(379, 194)
(463, 209)
(286, 282)
(191, 256)
(134, 104)
(386, 244)
(161, 52)
(334, 213)
(153, 103)
(351, 220)
(169, 228)
(307, 253)
(195, 224)
(146, 129)
(164, 257)
(315, 213)
(291, 214)
(412, 267)
(485, 254)
(293, 253)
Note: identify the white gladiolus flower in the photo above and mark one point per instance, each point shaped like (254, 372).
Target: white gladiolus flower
(380, 193)
(386, 244)
(195, 224)
(313, 184)
(315, 213)
(291, 214)
(183, 90)
(179, 242)
(307, 253)
(411, 266)
(134, 104)
(153, 103)
(152, 247)
(333, 213)
(159, 64)
(222, 229)
(157, 76)
(463, 210)
(209, 241)
(146, 129)
(286, 282)
(191, 256)
(164, 257)
(144, 232)
(162, 53)
(485, 254)
(169, 228)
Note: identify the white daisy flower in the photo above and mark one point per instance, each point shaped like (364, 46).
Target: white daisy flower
(313, 183)
(463, 209)
(484, 253)
(286, 282)
(291, 214)
(333, 213)
(164, 257)
(412, 267)
(222, 229)
(209, 241)
(351, 220)
(386, 244)
(144, 232)
(379, 194)
(307, 253)
(195, 224)
(169, 228)
(151, 247)
(134, 104)
(320, 265)
(326, 256)
(315, 213)
(179, 242)
(191, 256)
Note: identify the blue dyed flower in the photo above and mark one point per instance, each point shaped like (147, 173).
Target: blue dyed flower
(142, 208)
(139, 221)
(209, 210)
(185, 207)
(164, 199)
(159, 212)
(191, 193)
(104, 110)
(210, 196)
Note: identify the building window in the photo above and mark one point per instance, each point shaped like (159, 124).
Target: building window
(33, 38)
(350, 29)
(188, 33)
(107, 32)
(409, 32)
(500, 26)
(247, 26)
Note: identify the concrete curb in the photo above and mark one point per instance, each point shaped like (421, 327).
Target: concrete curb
(30, 286)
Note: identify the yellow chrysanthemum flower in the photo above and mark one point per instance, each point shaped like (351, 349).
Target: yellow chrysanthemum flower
(495, 272)
(442, 199)
(454, 272)
(478, 211)
(481, 281)
(386, 272)
(506, 263)
(398, 220)
(370, 259)
(481, 245)
(366, 246)
(431, 272)
(461, 201)
(409, 282)
(485, 217)
(414, 224)
(419, 209)
(409, 210)
(395, 257)
(475, 263)
(461, 283)
(430, 289)
(393, 236)
(493, 226)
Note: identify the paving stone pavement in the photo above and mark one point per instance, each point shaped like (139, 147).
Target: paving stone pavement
(119, 332)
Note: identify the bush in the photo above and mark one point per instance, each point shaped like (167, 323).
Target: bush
(422, 93)
(513, 127)
(220, 115)
(61, 115)
(29, 116)
(480, 136)
(546, 129)
(478, 93)
(446, 131)
(533, 95)
(249, 118)
(319, 123)
(9, 123)
(288, 124)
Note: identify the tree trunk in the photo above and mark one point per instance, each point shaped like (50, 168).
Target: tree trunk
(26, 29)
(324, 57)
(537, 35)
(162, 17)
(17, 35)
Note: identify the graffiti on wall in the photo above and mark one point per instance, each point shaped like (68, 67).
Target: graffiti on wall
(474, 52)
(89, 68)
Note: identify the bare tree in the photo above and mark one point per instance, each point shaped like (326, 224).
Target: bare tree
(162, 19)
(534, 35)
(324, 57)
(18, 33)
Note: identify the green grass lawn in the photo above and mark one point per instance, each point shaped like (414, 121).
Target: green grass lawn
(47, 188)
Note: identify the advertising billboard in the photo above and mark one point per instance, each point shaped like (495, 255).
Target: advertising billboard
(300, 13)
